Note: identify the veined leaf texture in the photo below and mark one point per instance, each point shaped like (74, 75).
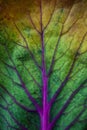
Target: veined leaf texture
(43, 64)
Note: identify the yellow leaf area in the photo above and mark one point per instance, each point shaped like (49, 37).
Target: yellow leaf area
(69, 14)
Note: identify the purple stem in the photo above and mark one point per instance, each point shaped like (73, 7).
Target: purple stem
(45, 111)
(44, 120)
